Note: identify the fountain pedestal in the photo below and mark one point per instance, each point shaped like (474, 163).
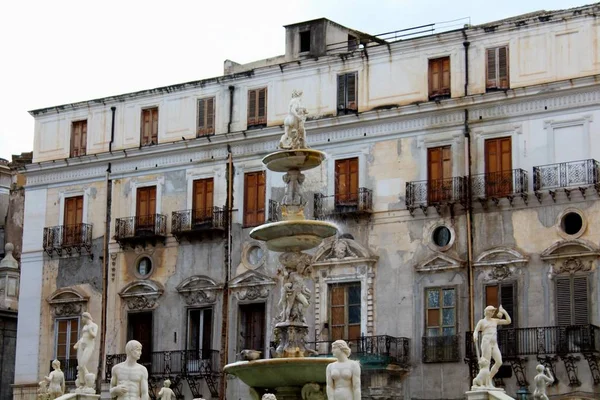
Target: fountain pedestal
(291, 338)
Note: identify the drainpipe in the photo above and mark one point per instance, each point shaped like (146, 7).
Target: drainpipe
(226, 294)
(469, 202)
(105, 262)
(112, 129)
(231, 89)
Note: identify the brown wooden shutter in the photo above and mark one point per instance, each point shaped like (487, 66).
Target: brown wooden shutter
(581, 314)
(491, 68)
(202, 202)
(439, 76)
(445, 84)
(352, 89)
(154, 133)
(254, 198)
(251, 107)
(338, 312)
(439, 170)
(146, 201)
(346, 181)
(503, 68)
(563, 301)
(210, 115)
(73, 210)
(434, 77)
(492, 295)
(206, 116)
(498, 166)
(262, 106)
(507, 300)
(78, 138)
(149, 126)
(341, 92)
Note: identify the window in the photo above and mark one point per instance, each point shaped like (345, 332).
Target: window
(352, 43)
(439, 78)
(346, 182)
(252, 327)
(144, 267)
(66, 335)
(145, 210)
(202, 201)
(498, 167)
(304, 41)
(78, 138)
(439, 174)
(206, 117)
(441, 236)
(347, 93)
(503, 294)
(73, 218)
(572, 223)
(149, 126)
(254, 198)
(497, 68)
(440, 343)
(139, 327)
(572, 300)
(257, 108)
(345, 311)
(199, 341)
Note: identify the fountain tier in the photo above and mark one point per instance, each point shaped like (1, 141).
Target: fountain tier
(284, 236)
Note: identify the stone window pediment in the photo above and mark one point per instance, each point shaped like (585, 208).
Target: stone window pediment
(500, 262)
(67, 302)
(342, 251)
(142, 294)
(571, 256)
(440, 262)
(252, 285)
(199, 289)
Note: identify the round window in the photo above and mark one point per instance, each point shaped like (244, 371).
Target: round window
(571, 223)
(441, 236)
(255, 255)
(144, 266)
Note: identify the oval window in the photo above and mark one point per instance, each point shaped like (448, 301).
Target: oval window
(441, 236)
(144, 266)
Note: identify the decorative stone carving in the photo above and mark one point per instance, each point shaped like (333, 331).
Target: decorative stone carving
(500, 272)
(251, 285)
(294, 136)
(295, 296)
(343, 248)
(312, 391)
(198, 290)
(439, 262)
(343, 375)
(499, 256)
(571, 256)
(67, 302)
(254, 255)
(142, 295)
(572, 265)
(9, 280)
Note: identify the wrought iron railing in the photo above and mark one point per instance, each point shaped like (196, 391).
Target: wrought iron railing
(436, 191)
(176, 362)
(68, 367)
(508, 183)
(141, 226)
(547, 340)
(67, 238)
(439, 349)
(340, 204)
(566, 175)
(382, 349)
(193, 220)
(274, 211)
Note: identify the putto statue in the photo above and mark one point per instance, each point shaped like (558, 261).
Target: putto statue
(85, 347)
(541, 381)
(294, 136)
(489, 346)
(166, 393)
(56, 381)
(129, 379)
(343, 375)
(295, 295)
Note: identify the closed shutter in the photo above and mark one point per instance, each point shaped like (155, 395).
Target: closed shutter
(78, 138)
(341, 92)
(563, 301)
(572, 301)
(254, 198)
(146, 208)
(507, 300)
(202, 202)
(257, 107)
(262, 106)
(439, 171)
(346, 181)
(73, 218)
(580, 301)
(497, 68)
(498, 166)
(503, 68)
(351, 92)
(492, 71)
(149, 133)
(439, 77)
(206, 116)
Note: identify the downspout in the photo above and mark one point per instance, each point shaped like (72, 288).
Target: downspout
(226, 294)
(231, 89)
(469, 202)
(112, 129)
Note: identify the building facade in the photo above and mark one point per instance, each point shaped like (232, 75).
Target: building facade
(461, 172)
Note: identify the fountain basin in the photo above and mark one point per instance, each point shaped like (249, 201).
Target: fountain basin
(287, 236)
(301, 160)
(280, 372)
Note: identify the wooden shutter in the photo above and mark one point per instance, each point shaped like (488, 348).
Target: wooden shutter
(78, 138)
(206, 116)
(563, 301)
(351, 89)
(341, 92)
(492, 71)
(149, 126)
(202, 201)
(257, 107)
(346, 181)
(507, 300)
(497, 68)
(338, 312)
(572, 301)
(580, 301)
(73, 210)
(439, 77)
(146, 207)
(503, 68)
(498, 166)
(439, 169)
(262, 106)
(253, 325)
(445, 84)
(254, 198)
(251, 107)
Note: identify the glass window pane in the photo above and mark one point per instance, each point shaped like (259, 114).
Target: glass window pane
(449, 331)
(433, 298)
(448, 317)
(354, 314)
(433, 317)
(354, 294)
(449, 298)
(433, 332)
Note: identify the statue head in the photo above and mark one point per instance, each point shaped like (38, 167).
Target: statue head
(269, 396)
(89, 380)
(86, 316)
(56, 364)
(489, 311)
(167, 383)
(296, 93)
(540, 368)
(341, 345)
(133, 348)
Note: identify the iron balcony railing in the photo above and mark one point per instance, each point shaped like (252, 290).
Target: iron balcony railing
(67, 238)
(68, 367)
(436, 191)
(141, 226)
(201, 219)
(440, 349)
(548, 340)
(176, 362)
(566, 175)
(343, 204)
(507, 183)
(372, 350)
(274, 211)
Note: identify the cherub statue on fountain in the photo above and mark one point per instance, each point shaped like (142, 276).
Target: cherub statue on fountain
(294, 136)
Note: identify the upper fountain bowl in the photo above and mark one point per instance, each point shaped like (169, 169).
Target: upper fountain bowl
(301, 160)
(286, 236)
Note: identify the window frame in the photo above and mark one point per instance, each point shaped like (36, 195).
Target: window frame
(515, 295)
(254, 120)
(206, 128)
(443, 92)
(70, 352)
(152, 139)
(205, 352)
(243, 324)
(78, 149)
(344, 105)
(456, 309)
(347, 305)
(497, 81)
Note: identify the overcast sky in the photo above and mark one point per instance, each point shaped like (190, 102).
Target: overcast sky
(54, 52)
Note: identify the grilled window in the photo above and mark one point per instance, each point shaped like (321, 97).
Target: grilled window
(347, 93)
(254, 198)
(439, 78)
(572, 300)
(78, 138)
(257, 108)
(149, 132)
(206, 116)
(497, 68)
(345, 311)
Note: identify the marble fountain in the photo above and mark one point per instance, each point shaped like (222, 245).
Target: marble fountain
(292, 372)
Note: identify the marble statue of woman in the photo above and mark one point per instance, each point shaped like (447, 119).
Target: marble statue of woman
(542, 380)
(56, 381)
(489, 341)
(343, 375)
(85, 347)
(294, 136)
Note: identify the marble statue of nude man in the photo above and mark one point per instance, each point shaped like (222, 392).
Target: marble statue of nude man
(489, 340)
(129, 379)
